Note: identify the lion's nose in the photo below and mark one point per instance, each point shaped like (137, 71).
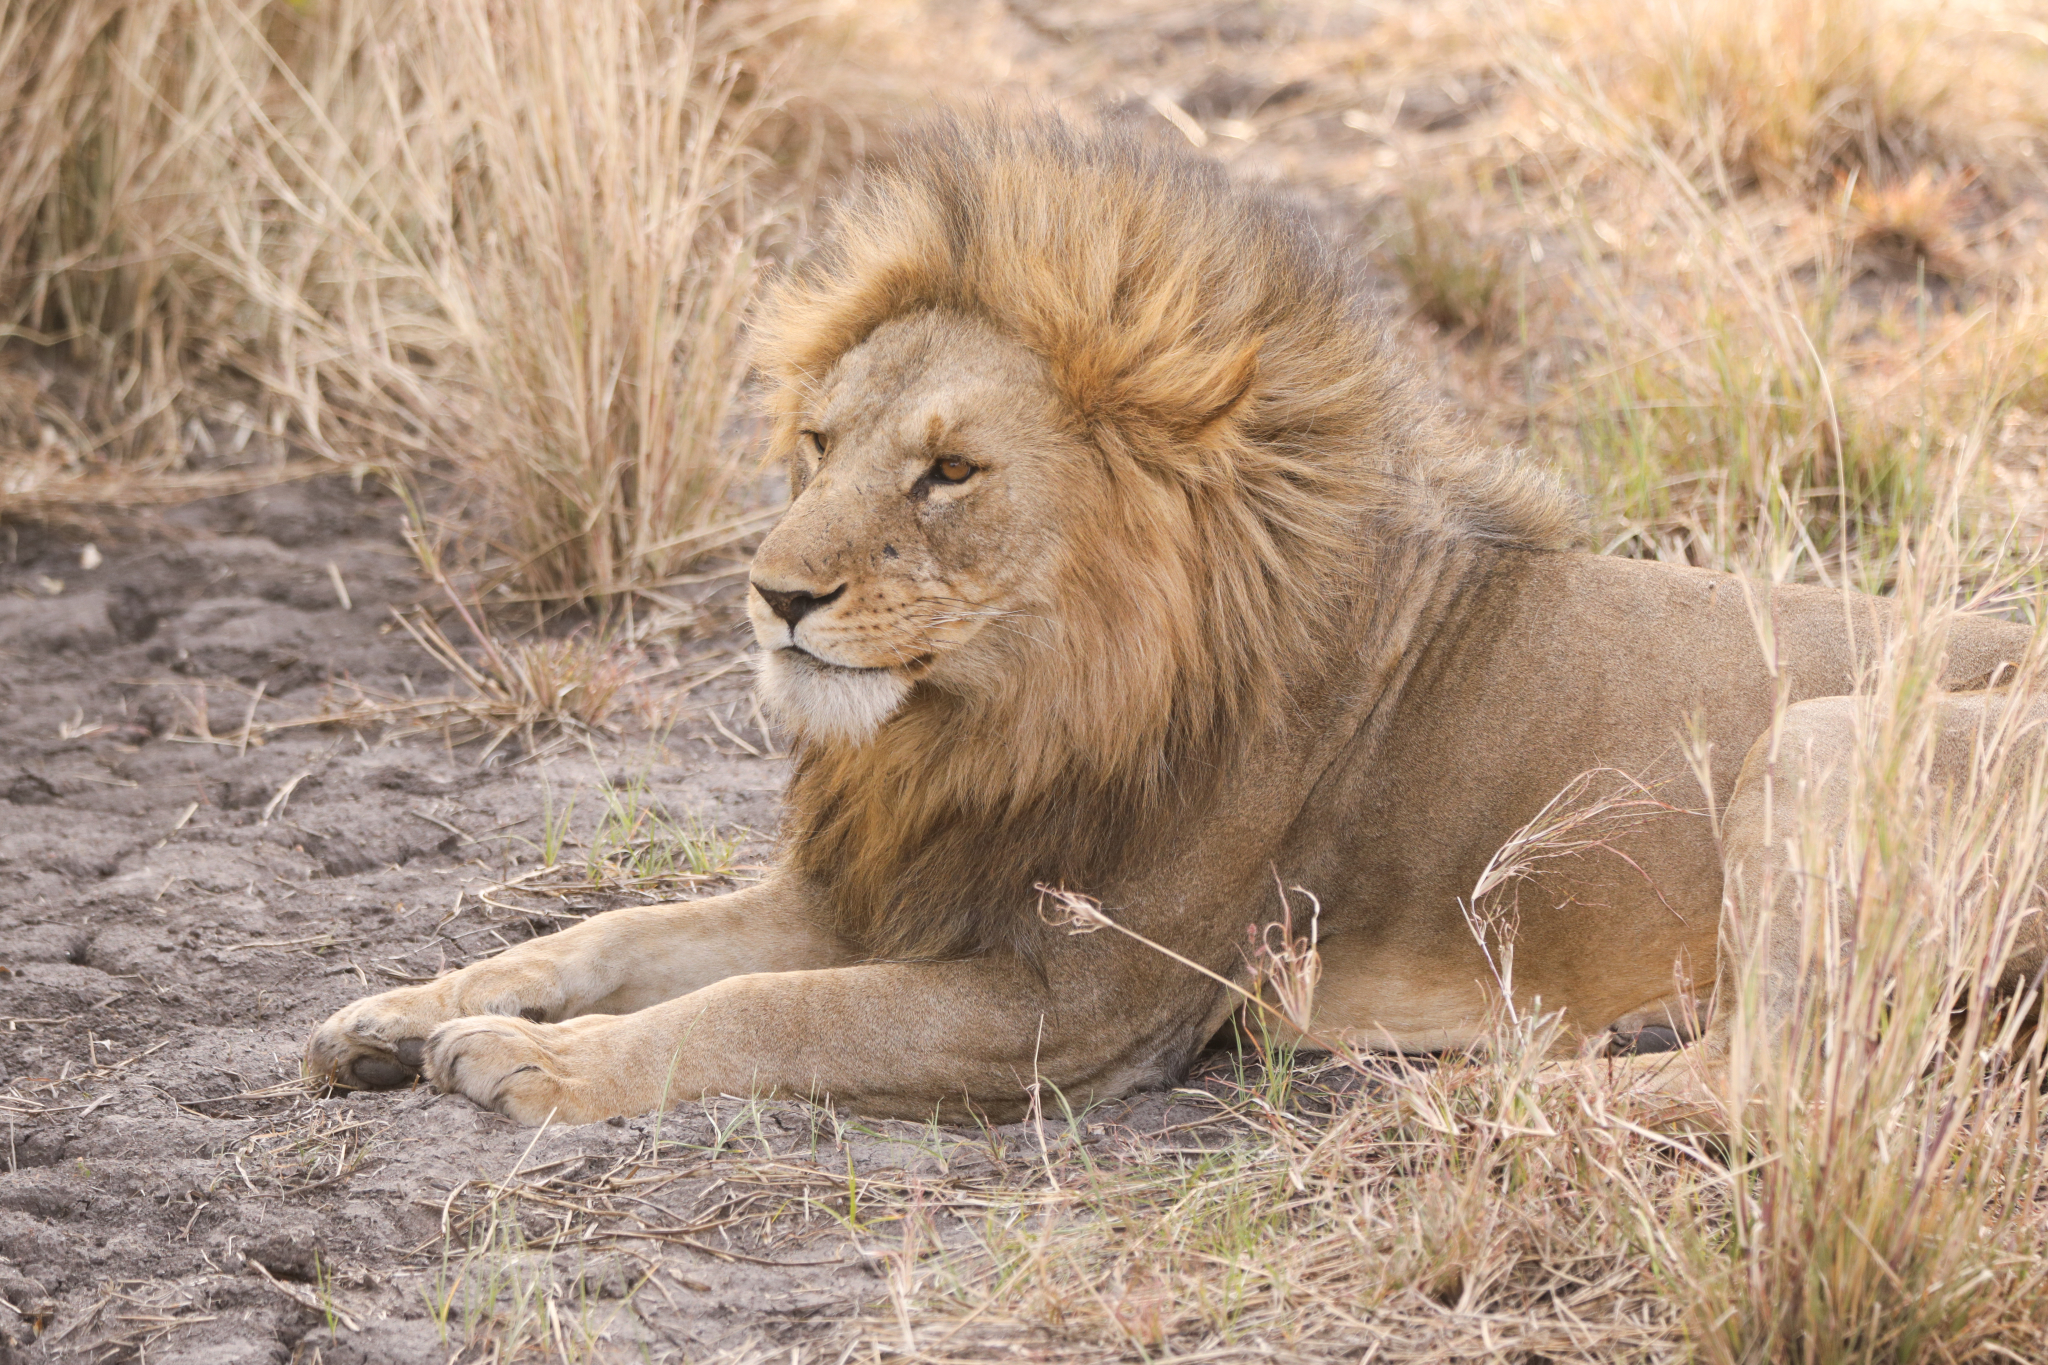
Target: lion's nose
(793, 606)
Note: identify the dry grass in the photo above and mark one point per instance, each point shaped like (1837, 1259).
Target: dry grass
(506, 244)
(1893, 1134)
(1911, 224)
(1798, 303)
(572, 683)
(609, 166)
(1786, 92)
(548, 694)
(1455, 280)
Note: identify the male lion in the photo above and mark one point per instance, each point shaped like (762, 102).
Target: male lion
(1125, 557)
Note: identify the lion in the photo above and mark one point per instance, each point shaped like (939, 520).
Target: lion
(1126, 557)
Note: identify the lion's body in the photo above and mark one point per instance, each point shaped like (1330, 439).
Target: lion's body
(1124, 559)
(1549, 666)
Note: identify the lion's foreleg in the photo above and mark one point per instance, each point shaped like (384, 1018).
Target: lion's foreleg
(905, 1040)
(617, 962)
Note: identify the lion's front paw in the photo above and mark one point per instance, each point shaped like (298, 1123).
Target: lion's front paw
(377, 1043)
(532, 1073)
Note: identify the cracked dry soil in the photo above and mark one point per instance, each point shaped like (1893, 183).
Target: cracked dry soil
(177, 913)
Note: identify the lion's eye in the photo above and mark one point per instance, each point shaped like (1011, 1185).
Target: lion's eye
(951, 469)
(817, 440)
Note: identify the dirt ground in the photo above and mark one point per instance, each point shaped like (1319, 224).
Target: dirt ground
(176, 913)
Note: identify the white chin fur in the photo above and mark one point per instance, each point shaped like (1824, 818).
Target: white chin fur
(819, 701)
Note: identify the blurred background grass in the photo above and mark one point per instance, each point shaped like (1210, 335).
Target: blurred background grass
(1729, 266)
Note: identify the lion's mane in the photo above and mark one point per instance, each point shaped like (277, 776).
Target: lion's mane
(1271, 463)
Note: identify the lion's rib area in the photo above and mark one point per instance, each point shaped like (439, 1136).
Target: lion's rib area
(1273, 469)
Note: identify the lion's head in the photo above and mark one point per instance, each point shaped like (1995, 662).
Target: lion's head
(1094, 455)
(935, 480)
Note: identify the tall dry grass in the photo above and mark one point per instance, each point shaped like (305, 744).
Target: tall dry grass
(1888, 1142)
(1792, 256)
(1789, 92)
(1751, 266)
(509, 244)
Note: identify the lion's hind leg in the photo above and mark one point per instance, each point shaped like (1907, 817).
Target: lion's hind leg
(1854, 843)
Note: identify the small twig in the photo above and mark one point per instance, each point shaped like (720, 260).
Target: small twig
(182, 819)
(120, 1065)
(284, 794)
(1169, 109)
(249, 718)
(325, 940)
(723, 730)
(340, 588)
(1084, 915)
(463, 834)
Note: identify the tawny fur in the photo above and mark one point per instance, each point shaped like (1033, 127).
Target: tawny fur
(1262, 444)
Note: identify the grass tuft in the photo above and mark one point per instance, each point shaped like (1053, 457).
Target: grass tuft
(1455, 279)
(1789, 93)
(511, 244)
(1910, 225)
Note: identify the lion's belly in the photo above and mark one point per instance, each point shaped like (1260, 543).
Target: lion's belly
(1379, 1001)
(1423, 997)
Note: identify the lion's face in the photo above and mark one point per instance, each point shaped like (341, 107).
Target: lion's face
(932, 475)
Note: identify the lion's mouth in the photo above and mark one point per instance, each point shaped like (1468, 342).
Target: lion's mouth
(824, 700)
(805, 659)
(914, 665)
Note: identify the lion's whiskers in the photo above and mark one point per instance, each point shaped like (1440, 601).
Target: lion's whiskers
(1003, 617)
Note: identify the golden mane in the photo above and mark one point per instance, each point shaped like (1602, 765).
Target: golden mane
(1264, 446)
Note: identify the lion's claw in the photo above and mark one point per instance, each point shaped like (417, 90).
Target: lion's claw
(371, 1072)
(375, 1044)
(378, 1068)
